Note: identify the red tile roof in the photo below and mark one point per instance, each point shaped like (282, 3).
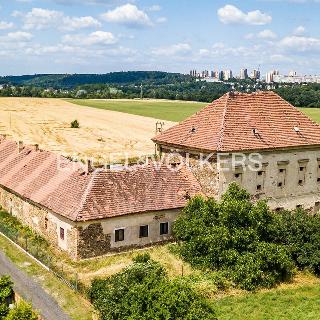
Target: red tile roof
(63, 186)
(239, 122)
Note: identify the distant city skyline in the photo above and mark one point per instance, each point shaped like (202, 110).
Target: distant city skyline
(100, 36)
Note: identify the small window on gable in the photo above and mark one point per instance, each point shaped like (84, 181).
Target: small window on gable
(119, 235)
(260, 173)
(61, 233)
(237, 175)
(144, 231)
(281, 170)
(259, 187)
(280, 184)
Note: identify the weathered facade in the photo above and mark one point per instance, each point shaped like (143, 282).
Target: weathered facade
(91, 213)
(257, 140)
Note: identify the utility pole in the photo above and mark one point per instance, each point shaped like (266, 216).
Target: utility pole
(141, 92)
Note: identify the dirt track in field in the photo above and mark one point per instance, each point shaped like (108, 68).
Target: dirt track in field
(102, 133)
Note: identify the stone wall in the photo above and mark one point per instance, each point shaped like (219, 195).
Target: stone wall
(203, 166)
(41, 221)
(92, 241)
(287, 178)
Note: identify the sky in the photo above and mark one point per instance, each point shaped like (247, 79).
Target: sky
(100, 36)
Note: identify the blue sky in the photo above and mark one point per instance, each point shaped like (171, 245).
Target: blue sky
(99, 36)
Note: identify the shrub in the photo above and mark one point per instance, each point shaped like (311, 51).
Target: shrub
(300, 232)
(143, 291)
(75, 124)
(6, 292)
(236, 237)
(23, 311)
(142, 257)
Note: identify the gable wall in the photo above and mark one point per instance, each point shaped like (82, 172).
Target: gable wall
(35, 218)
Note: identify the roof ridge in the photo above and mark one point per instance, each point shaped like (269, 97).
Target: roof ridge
(87, 193)
(221, 133)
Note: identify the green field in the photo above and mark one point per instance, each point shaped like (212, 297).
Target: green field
(280, 304)
(162, 109)
(313, 113)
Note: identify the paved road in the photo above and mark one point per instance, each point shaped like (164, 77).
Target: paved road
(31, 291)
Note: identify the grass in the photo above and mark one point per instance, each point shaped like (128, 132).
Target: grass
(296, 301)
(159, 109)
(73, 304)
(162, 109)
(313, 113)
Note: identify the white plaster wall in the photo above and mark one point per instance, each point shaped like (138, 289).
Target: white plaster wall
(291, 194)
(131, 223)
(61, 223)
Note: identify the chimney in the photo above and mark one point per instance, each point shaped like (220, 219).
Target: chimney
(90, 167)
(36, 147)
(20, 146)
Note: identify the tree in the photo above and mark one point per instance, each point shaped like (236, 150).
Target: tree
(234, 237)
(144, 292)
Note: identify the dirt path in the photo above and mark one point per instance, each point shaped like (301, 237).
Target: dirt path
(31, 291)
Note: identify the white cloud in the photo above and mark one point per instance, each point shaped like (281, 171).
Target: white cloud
(6, 25)
(162, 20)
(100, 38)
(299, 31)
(74, 23)
(17, 37)
(300, 44)
(267, 34)
(154, 8)
(280, 58)
(39, 19)
(230, 14)
(128, 15)
(176, 49)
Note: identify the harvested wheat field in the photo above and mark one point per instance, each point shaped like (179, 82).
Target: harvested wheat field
(102, 133)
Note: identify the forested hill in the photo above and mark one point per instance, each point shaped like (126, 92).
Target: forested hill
(70, 81)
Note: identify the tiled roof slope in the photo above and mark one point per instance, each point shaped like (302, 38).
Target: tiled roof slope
(239, 122)
(63, 186)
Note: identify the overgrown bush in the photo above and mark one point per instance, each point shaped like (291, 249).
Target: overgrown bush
(75, 124)
(6, 292)
(143, 291)
(299, 231)
(22, 311)
(235, 237)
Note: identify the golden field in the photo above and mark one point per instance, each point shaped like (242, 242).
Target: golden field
(102, 132)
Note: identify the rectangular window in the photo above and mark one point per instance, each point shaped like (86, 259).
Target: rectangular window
(46, 223)
(144, 231)
(282, 177)
(119, 235)
(164, 228)
(61, 233)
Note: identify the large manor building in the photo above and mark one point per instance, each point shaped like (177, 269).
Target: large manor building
(258, 140)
